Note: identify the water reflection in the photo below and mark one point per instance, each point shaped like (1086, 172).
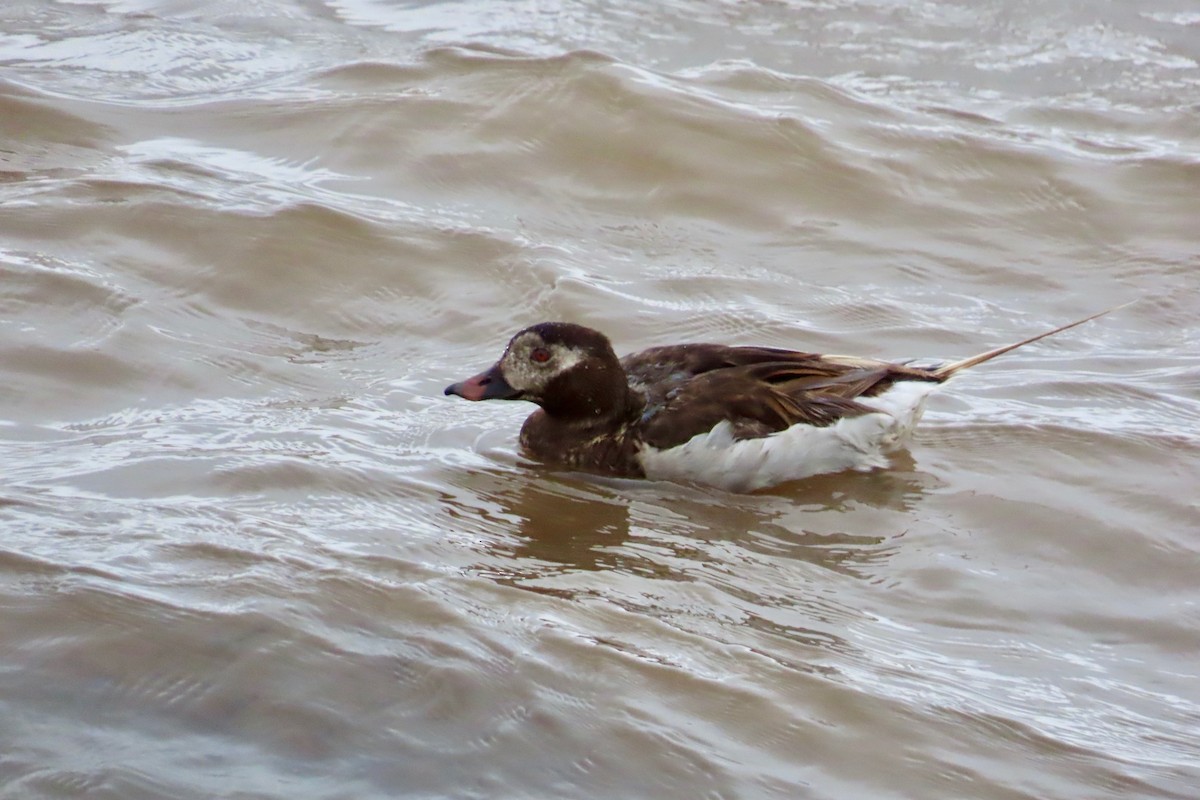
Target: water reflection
(763, 562)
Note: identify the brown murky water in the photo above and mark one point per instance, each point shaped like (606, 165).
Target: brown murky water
(250, 551)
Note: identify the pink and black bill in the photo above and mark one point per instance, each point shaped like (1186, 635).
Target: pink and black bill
(487, 385)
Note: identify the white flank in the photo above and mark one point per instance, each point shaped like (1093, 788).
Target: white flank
(860, 443)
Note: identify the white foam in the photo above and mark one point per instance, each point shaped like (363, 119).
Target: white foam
(801, 451)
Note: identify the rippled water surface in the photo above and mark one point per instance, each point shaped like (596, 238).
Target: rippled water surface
(249, 550)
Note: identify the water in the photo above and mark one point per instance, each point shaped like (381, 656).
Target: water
(249, 550)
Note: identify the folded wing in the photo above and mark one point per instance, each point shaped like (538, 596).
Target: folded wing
(758, 390)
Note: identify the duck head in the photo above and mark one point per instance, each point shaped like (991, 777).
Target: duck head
(567, 369)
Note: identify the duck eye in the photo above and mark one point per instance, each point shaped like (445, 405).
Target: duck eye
(540, 354)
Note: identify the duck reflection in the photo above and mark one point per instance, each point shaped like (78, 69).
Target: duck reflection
(575, 522)
(695, 557)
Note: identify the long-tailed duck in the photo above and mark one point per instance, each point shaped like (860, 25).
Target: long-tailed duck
(739, 418)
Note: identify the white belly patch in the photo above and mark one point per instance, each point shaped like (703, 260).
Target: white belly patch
(860, 443)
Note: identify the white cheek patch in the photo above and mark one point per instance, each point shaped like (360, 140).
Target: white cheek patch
(526, 375)
(563, 358)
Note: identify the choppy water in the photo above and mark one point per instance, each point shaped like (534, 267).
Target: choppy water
(248, 549)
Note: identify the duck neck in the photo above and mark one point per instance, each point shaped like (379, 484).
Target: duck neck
(596, 395)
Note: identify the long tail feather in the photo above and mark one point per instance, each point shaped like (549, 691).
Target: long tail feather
(945, 371)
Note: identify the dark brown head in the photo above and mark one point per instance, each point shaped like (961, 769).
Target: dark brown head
(569, 370)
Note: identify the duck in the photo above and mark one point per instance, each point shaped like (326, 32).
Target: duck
(733, 417)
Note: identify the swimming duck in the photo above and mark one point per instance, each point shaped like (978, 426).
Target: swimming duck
(738, 418)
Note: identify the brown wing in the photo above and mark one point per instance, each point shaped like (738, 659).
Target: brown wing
(699, 358)
(659, 371)
(768, 391)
